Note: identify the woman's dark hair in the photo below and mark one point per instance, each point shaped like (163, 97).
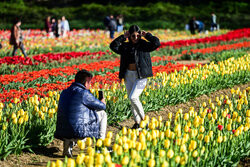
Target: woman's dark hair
(16, 20)
(81, 76)
(134, 28)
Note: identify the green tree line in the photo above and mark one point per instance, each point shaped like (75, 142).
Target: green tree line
(230, 14)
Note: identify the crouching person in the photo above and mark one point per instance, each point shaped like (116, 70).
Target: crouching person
(80, 114)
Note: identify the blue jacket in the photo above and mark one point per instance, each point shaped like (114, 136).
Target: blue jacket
(76, 116)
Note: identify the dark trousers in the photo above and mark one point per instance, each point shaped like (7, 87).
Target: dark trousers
(21, 47)
(112, 33)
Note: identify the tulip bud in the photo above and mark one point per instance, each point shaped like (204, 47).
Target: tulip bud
(170, 154)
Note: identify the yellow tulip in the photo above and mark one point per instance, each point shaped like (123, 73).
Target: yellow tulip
(124, 130)
(165, 164)
(215, 116)
(202, 129)
(20, 120)
(133, 154)
(10, 105)
(186, 116)
(151, 163)
(183, 161)
(108, 158)
(107, 142)
(162, 153)
(239, 119)
(167, 143)
(99, 143)
(195, 154)
(211, 133)
(142, 124)
(88, 141)
(167, 124)
(170, 154)
(192, 145)
(248, 113)
(147, 153)
(80, 158)
(219, 139)
(125, 160)
(99, 159)
(183, 148)
(1, 105)
(229, 127)
(177, 159)
(14, 121)
(200, 137)
(119, 150)
(13, 115)
(90, 151)
(53, 164)
(170, 115)
(59, 163)
(138, 146)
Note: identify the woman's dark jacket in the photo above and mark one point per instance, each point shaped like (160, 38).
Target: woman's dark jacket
(141, 51)
(76, 116)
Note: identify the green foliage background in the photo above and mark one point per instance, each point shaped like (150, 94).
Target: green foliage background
(230, 14)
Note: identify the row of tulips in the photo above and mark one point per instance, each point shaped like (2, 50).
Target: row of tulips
(198, 53)
(65, 59)
(42, 81)
(81, 40)
(17, 68)
(215, 134)
(68, 71)
(60, 79)
(235, 34)
(46, 58)
(31, 123)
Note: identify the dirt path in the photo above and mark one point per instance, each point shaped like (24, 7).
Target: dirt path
(40, 157)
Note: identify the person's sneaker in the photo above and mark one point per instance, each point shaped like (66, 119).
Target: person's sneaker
(68, 154)
(136, 126)
(67, 148)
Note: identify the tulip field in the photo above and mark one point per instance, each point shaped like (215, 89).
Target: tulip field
(215, 134)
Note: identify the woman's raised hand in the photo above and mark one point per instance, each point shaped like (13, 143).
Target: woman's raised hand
(126, 34)
(143, 33)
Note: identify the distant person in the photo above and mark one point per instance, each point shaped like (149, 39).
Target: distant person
(80, 114)
(54, 26)
(58, 28)
(112, 26)
(106, 21)
(65, 27)
(213, 22)
(192, 25)
(135, 65)
(119, 20)
(16, 38)
(200, 26)
(48, 28)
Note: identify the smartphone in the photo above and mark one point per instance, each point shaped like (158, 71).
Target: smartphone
(100, 95)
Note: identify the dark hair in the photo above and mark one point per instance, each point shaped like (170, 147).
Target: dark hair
(81, 76)
(134, 28)
(16, 20)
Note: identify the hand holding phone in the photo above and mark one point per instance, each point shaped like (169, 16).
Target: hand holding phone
(100, 95)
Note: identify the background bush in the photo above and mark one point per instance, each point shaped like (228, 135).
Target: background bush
(230, 14)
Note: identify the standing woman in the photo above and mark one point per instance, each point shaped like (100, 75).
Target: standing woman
(135, 65)
(16, 37)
